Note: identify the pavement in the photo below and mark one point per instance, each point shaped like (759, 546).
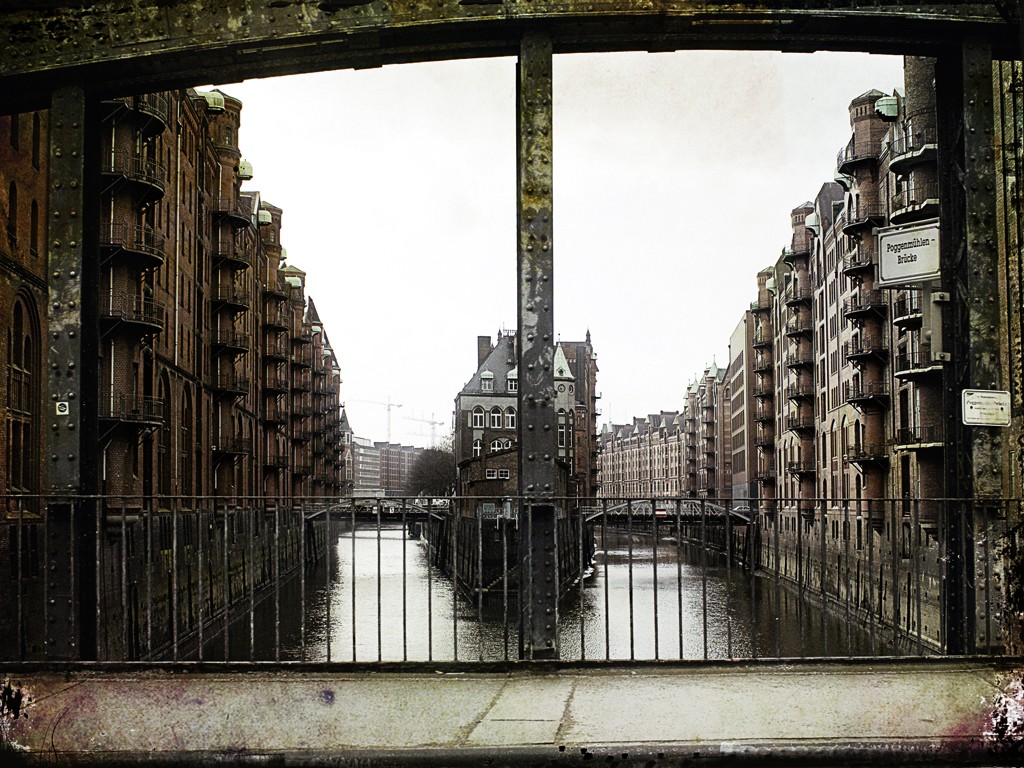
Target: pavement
(927, 712)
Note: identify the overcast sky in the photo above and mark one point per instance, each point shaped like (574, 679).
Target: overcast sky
(674, 178)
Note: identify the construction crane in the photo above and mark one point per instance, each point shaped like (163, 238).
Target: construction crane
(433, 427)
(388, 405)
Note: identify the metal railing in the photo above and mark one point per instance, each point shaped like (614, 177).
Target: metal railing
(380, 580)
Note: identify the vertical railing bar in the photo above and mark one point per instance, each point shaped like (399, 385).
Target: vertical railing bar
(98, 510)
(277, 582)
(300, 512)
(327, 577)
(679, 572)
(479, 583)
(380, 607)
(753, 554)
(504, 582)
(654, 525)
(201, 534)
(727, 523)
(604, 559)
(801, 578)
(847, 533)
(916, 540)
(174, 579)
(704, 572)
(353, 578)
(780, 504)
(405, 596)
(227, 587)
(556, 558)
(872, 508)
(430, 578)
(629, 538)
(124, 580)
(253, 516)
(22, 642)
(987, 521)
(453, 556)
(897, 543)
(579, 537)
(823, 575)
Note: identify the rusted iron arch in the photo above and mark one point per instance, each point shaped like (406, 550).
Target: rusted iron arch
(146, 45)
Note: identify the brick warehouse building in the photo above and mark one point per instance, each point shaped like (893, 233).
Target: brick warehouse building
(842, 444)
(217, 383)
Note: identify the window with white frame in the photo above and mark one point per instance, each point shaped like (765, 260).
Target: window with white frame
(491, 474)
(497, 445)
(508, 443)
(477, 418)
(495, 417)
(503, 474)
(487, 381)
(510, 418)
(478, 448)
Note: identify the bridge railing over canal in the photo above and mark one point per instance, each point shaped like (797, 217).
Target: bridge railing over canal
(384, 580)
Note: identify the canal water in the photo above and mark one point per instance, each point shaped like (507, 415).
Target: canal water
(382, 600)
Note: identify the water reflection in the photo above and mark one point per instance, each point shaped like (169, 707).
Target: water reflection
(383, 601)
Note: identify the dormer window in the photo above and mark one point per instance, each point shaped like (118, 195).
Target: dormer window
(487, 381)
(512, 380)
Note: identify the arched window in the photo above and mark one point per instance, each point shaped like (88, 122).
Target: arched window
(22, 460)
(477, 418)
(510, 418)
(33, 233)
(495, 417)
(36, 140)
(497, 445)
(478, 448)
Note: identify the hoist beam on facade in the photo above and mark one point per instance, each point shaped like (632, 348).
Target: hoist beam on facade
(538, 448)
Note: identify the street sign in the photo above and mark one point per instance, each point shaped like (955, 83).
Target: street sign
(908, 255)
(986, 407)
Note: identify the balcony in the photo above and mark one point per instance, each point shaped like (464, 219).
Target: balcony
(304, 337)
(799, 326)
(800, 360)
(797, 295)
(764, 438)
(230, 341)
(800, 392)
(275, 349)
(276, 290)
(912, 148)
(141, 246)
(919, 438)
(277, 319)
(862, 395)
(858, 264)
(232, 445)
(866, 455)
(301, 358)
(865, 304)
(764, 415)
(132, 312)
(761, 305)
(915, 364)
(763, 363)
(301, 435)
(906, 310)
(234, 210)
(302, 383)
(919, 201)
(856, 154)
(152, 111)
(763, 391)
(864, 348)
(803, 468)
(147, 177)
(302, 468)
(132, 409)
(230, 384)
(801, 424)
(232, 254)
(230, 297)
(765, 473)
(300, 411)
(275, 461)
(792, 255)
(275, 383)
(275, 413)
(864, 218)
(762, 338)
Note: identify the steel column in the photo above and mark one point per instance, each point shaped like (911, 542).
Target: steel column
(538, 575)
(71, 405)
(972, 327)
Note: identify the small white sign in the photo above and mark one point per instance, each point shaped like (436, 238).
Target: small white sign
(908, 255)
(986, 407)
(63, 408)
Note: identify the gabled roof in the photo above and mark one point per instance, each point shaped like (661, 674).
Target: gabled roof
(498, 364)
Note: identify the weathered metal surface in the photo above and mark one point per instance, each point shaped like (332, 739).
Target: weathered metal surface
(165, 43)
(538, 446)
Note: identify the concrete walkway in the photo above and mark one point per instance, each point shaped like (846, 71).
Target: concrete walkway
(928, 712)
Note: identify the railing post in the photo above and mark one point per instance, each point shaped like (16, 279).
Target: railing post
(70, 585)
(538, 578)
(973, 328)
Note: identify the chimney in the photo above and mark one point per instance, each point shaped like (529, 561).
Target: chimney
(483, 349)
